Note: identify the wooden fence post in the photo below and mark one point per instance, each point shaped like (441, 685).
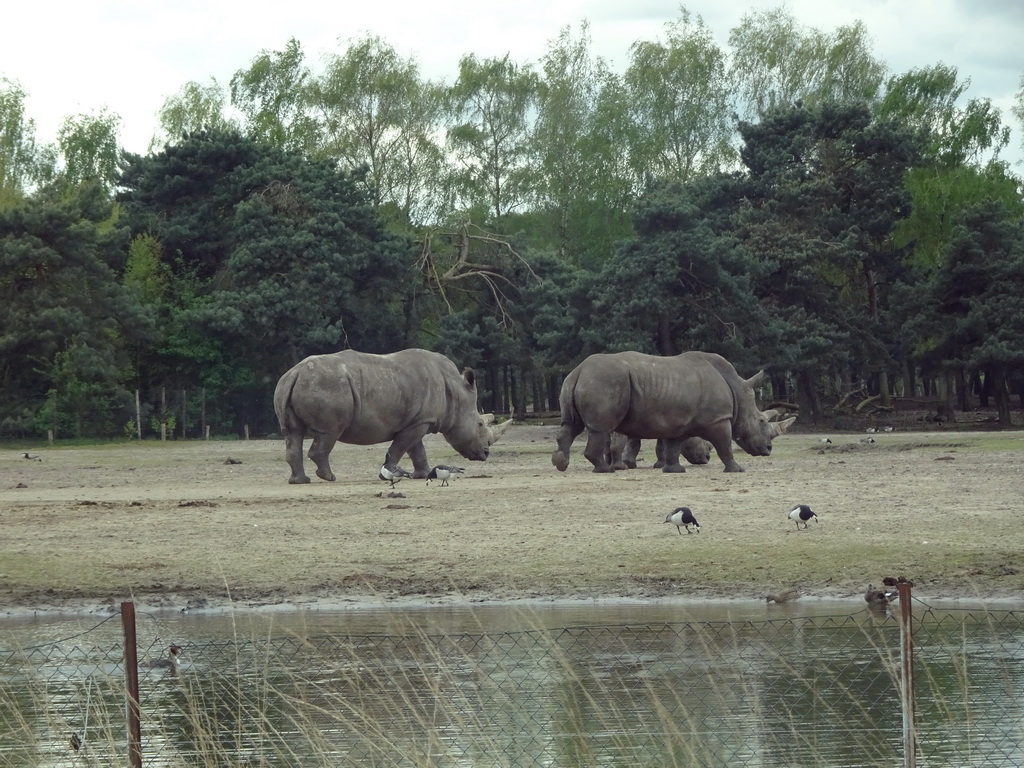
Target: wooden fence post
(131, 677)
(907, 693)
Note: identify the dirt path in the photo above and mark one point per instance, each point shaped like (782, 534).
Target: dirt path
(173, 524)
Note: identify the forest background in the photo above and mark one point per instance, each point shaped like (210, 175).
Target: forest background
(786, 201)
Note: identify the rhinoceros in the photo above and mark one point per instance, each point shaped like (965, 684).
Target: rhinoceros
(695, 394)
(363, 399)
(624, 450)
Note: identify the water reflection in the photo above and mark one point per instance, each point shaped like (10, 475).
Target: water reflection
(608, 684)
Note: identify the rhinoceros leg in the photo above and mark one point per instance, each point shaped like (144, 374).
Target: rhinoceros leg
(560, 456)
(293, 455)
(659, 452)
(418, 454)
(720, 436)
(597, 451)
(629, 453)
(319, 451)
(670, 455)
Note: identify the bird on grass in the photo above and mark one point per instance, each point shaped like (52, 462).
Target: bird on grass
(801, 513)
(682, 517)
(32, 456)
(785, 596)
(444, 473)
(172, 662)
(75, 742)
(390, 472)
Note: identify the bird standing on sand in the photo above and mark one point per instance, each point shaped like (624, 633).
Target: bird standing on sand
(801, 513)
(172, 662)
(32, 456)
(682, 517)
(390, 472)
(444, 473)
(785, 596)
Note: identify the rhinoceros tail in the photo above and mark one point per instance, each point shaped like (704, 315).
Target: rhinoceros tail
(570, 414)
(286, 416)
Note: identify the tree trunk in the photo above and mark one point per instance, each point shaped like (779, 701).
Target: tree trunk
(1002, 394)
(944, 407)
(665, 346)
(810, 396)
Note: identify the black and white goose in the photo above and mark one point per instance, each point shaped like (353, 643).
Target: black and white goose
(682, 517)
(390, 472)
(801, 513)
(32, 456)
(444, 473)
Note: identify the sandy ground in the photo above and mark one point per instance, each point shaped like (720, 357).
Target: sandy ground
(178, 524)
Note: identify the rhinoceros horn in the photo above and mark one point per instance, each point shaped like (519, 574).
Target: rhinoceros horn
(771, 414)
(778, 427)
(498, 430)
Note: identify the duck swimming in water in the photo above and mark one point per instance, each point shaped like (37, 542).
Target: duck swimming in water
(172, 662)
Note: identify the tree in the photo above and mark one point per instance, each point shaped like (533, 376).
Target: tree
(777, 62)
(195, 107)
(977, 293)
(374, 111)
(89, 149)
(583, 182)
(826, 192)
(17, 144)
(271, 257)
(272, 95)
(66, 322)
(680, 103)
(490, 107)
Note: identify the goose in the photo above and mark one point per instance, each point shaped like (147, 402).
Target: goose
(444, 473)
(682, 517)
(785, 596)
(32, 456)
(390, 472)
(801, 513)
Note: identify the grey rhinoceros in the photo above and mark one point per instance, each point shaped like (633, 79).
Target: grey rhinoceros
(695, 394)
(364, 399)
(623, 451)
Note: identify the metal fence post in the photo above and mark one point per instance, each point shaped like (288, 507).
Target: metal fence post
(907, 675)
(131, 676)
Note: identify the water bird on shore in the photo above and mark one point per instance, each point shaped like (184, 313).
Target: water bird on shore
(390, 472)
(801, 513)
(32, 456)
(825, 441)
(787, 595)
(888, 429)
(867, 440)
(172, 662)
(870, 430)
(444, 473)
(682, 517)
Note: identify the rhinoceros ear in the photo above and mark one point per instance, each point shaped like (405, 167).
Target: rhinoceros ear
(470, 377)
(778, 427)
(755, 380)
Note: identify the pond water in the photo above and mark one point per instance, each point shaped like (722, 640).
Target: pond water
(617, 683)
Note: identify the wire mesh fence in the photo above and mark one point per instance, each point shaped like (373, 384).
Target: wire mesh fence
(807, 691)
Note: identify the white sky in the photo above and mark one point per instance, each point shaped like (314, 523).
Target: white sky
(128, 56)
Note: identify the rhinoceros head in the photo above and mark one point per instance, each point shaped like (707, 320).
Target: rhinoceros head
(472, 433)
(753, 429)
